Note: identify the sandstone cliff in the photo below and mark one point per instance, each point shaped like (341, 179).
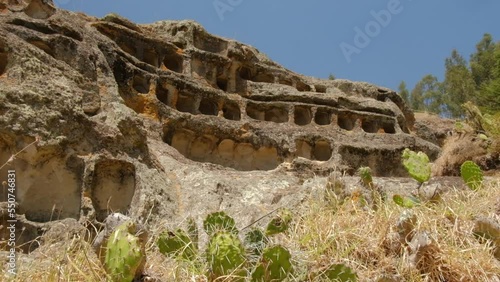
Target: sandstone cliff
(166, 120)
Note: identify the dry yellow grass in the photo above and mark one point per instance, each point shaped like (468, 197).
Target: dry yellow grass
(322, 235)
(357, 237)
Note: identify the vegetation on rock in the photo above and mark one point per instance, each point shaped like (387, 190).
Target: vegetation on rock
(476, 80)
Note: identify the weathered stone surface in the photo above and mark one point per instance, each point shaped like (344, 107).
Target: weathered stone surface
(433, 128)
(165, 120)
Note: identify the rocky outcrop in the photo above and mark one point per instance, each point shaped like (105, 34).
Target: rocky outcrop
(165, 120)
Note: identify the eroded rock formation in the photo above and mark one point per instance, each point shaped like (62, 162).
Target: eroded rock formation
(165, 120)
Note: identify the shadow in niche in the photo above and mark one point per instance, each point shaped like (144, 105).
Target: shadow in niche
(302, 115)
(4, 56)
(267, 112)
(209, 107)
(186, 103)
(319, 150)
(223, 151)
(113, 187)
(323, 117)
(173, 62)
(346, 122)
(231, 111)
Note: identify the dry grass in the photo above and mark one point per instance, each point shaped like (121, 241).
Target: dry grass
(358, 237)
(323, 234)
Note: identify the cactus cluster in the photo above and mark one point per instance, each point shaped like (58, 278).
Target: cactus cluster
(177, 244)
(417, 165)
(124, 253)
(279, 223)
(226, 255)
(256, 241)
(471, 174)
(366, 176)
(219, 221)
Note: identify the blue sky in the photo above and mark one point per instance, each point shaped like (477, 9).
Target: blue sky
(306, 37)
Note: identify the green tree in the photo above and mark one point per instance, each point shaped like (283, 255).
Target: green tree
(489, 95)
(404, 93)
(417, 99)
(459, 86)
(428, 95)
(482, 62)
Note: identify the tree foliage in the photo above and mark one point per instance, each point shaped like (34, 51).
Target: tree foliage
(489, 97)
(482, 61)
(428, 95)
(403, 91)
(477, 80)
(458, 84)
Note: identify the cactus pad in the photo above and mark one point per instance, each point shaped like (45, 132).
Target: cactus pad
(417, 165)
(280, 222)
(176, 244)
(225, 255)
(341, 273)
(275, 265)
(124, 254)
(405, 202)
(192, 229)
(255, 241)
(471, 174)
(366, 176)
(219, 221)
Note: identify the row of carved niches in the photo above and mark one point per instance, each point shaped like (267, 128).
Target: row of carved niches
(195, 101)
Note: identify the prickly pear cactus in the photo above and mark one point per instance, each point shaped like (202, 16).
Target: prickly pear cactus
(124, 254)
(177, 244)
(255, 242)
(275, 265)
(279, 223)
(405, 202)
(226, 255)
(417, 165)
(192, 229)
(471, 174)
(219, 221)
(341, 273)
(366, 176)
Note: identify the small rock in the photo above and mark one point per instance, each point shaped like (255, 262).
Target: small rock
(488, 229)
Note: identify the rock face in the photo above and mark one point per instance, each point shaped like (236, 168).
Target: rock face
(165, 120)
